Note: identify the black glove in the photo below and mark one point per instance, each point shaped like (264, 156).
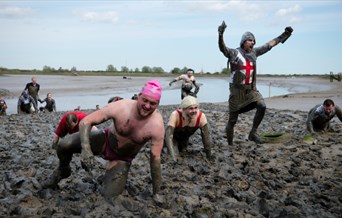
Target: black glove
(285, 35)
(221, 28)
(288, 30)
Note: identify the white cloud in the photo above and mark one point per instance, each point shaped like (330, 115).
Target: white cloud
(288, 11)
(15, 12)
(246, 10)
(107, 17)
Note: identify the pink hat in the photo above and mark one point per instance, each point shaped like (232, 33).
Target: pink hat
(152, 89)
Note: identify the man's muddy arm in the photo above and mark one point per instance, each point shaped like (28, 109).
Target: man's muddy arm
(156, 148)
(169, 141)
(206, 140)
(85, 128)
(309, 125)
(222, 45)
(196, 87)
(155, 173)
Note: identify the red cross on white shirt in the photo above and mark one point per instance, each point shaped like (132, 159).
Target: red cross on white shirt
(248, 69)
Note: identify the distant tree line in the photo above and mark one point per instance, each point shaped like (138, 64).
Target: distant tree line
(111, 69)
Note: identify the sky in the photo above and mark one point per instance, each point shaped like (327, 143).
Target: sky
(90, 35)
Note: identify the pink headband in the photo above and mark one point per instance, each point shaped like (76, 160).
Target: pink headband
(152, 89)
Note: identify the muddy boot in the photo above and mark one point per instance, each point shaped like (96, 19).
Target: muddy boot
(63, 170)
(259, 115)
(253, 137)
(57, 175)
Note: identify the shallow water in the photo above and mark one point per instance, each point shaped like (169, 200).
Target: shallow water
(89, 91)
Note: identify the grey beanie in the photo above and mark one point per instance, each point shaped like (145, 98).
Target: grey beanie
(245, 37)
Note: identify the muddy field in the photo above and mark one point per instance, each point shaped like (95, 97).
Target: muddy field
(288, 178)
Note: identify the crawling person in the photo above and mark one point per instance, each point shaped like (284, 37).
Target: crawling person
(68, 125)
(3, 107)
(26, 104)
(319, 116)
(50, 103)
(184, 123)
(134, 123)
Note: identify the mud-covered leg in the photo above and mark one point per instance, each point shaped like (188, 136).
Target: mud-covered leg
(66, 147)
(259, 115)
(115, 179)
(233, 116)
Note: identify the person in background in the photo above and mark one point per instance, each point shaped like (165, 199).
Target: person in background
(188, 82)
(26, 104)
(134, 97)
(69, 124)
(184, 123)
(244, 95)
(3, 107)
(135, 122)
(319, 116)
(115, 98)
(33, 89)
(78, 108)
(97, 107)
(50, 103)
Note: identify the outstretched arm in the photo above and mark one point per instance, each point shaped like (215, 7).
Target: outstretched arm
(282, 38)
(174, 80)
(221, 43)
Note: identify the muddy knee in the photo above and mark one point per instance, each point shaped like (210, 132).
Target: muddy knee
(115, 179)
(72, 141)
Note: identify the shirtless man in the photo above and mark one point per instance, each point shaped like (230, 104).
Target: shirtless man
(183, 123)
(188, 82)
(319, 116)
(135, 122)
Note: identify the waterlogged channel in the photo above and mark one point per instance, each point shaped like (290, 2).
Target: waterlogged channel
(89, 91)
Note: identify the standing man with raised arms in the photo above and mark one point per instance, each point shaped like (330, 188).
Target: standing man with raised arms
(244, 95)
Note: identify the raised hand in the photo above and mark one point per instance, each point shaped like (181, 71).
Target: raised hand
(222, 28)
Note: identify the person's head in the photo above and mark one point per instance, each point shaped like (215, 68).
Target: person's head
(149, 98)
(134, 97)
(190, 72)
(34, 80)
(49, 96)
(329, 105)
(71, 120)
(25, 94)
(190, 106)
(247, 41)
